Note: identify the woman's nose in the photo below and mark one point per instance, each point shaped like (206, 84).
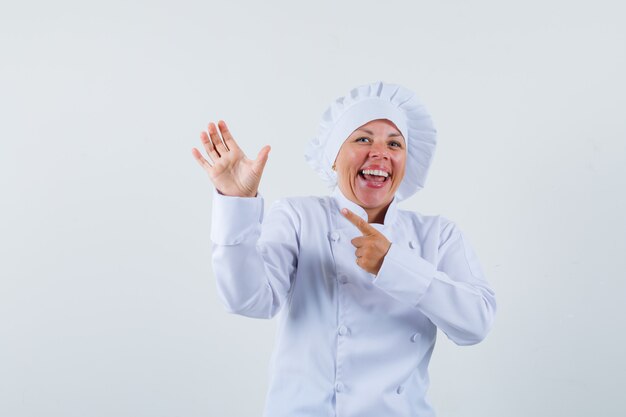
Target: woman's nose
(379, 150)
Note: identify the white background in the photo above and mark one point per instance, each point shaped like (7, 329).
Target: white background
(108, 305)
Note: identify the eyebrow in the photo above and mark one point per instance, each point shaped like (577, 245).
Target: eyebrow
(391, 135)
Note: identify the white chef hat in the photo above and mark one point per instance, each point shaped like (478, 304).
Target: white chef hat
(369, 102)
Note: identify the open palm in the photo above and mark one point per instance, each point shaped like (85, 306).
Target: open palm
(232, 173)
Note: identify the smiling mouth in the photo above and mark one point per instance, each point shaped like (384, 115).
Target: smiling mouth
(374, 175)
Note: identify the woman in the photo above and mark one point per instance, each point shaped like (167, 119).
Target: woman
(362, 285)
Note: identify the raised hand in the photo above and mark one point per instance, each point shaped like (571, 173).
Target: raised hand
(230, 171)
(371, 248)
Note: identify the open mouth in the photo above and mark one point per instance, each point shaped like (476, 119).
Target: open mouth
(374, 176)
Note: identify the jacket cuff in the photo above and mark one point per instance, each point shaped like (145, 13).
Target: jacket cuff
(235, 220)
(405, 275)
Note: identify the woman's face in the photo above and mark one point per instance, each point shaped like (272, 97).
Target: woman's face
(370, 165)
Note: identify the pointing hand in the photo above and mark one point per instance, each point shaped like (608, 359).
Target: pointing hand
(371, 248)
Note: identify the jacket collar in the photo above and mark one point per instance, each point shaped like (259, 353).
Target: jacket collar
(342, 201)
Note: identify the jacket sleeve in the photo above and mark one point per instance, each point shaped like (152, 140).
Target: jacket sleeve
(254, 260)
(453, 294)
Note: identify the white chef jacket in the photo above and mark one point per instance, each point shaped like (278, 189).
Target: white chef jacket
(349, 343)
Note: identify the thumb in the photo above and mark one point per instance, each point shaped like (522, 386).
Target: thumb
(261, 159)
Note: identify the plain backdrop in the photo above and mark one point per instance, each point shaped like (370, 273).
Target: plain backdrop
(108, 305)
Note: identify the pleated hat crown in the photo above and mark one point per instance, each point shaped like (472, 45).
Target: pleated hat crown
(369, 102)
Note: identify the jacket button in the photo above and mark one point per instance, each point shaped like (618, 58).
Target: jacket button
(343, 330)
(412, 244)
(343, 279)
(415, 337)
(400, 389)
(339, 387)
(334, 236)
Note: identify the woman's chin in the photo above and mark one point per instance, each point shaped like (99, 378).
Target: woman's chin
(372, 197)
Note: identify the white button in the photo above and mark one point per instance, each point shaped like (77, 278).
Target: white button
(415, 337)
(334, 236)
(339, 387)
(343, 330)
(400, 389)
(412, 244)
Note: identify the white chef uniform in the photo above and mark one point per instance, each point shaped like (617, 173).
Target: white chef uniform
(349, 344)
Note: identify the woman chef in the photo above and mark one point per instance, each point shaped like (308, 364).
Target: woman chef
(361, 284)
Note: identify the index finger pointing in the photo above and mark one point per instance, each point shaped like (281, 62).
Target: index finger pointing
(361, 224)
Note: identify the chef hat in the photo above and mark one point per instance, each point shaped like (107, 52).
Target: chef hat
(369, 102)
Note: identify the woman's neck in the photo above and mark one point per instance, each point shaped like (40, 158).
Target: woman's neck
(376, 215)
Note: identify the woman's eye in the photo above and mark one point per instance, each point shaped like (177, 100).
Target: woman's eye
(395, 144)
(362, 139)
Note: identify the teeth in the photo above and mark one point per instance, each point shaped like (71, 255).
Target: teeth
(375, 172)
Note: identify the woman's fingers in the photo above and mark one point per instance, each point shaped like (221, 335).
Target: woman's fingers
(230, 171)
(208, 146)
(216, 140)
(261, 158)
(229, 141)
(358, 241)
(365, 228)
(200, 159)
